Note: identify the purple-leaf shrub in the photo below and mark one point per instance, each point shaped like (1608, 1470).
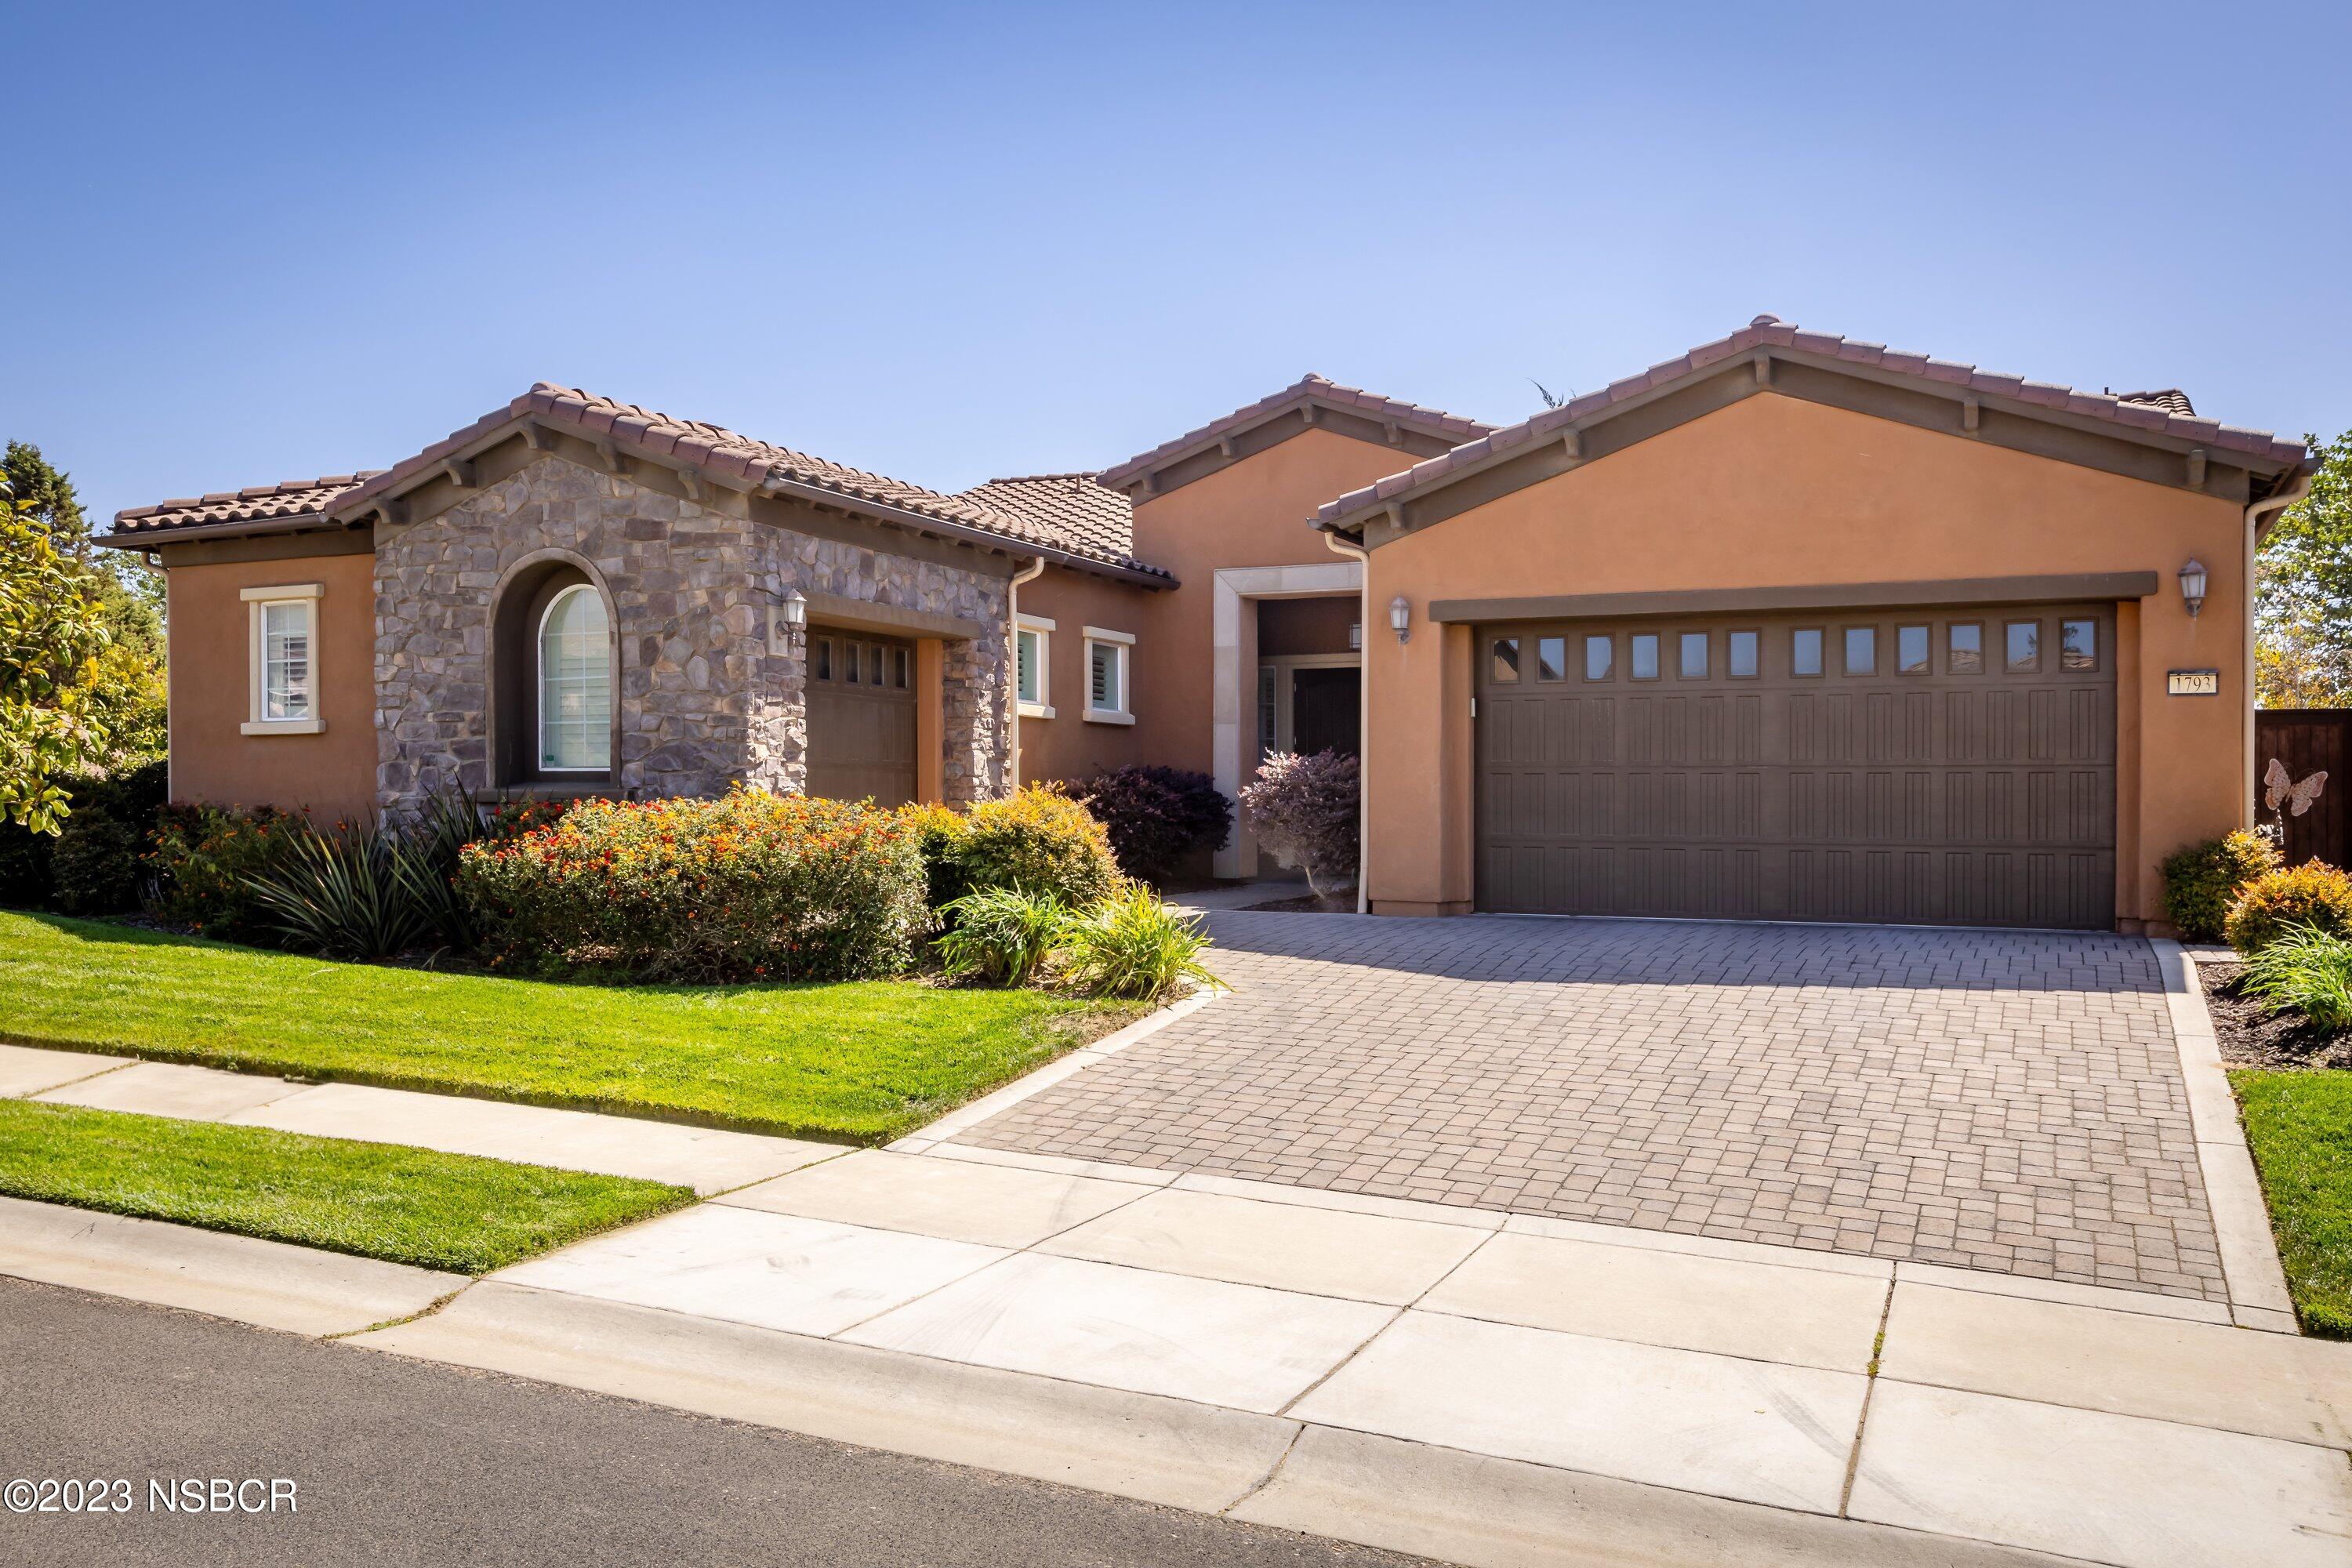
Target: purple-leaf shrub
(1304, 809)
(1156, 816)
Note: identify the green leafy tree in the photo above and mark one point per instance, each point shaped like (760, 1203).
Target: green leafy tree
(2303, 608)
(54, 695)
(128, 684)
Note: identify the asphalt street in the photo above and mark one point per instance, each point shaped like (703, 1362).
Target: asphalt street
(397, 1461)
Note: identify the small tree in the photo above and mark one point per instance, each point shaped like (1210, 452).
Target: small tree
(1304, 809)
(2303, 611)
(55, 680)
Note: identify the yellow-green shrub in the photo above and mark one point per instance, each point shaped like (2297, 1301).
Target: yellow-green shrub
(1039, 840)
(2313, 895)
(2202, 880)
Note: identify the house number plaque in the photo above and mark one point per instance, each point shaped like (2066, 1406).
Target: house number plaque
(2192, 683)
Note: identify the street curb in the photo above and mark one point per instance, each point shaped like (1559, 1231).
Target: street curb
(2251, 1270)
(269, 1284)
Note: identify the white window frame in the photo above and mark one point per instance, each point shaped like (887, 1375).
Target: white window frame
(1125, 642)
(257, 601)
(538, 681)
(1040, 627)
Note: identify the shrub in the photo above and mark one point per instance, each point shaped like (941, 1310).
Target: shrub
(1004, 934)
(1156, 816)
(1040, 839)
(206, 858)
(2312, 895)
(936, 829)
(100, 858)
(753, 886)
(342, 894)
(2307, 969)
(2201, 881)
(1303, 808)
(1136, 945)
(28, 868)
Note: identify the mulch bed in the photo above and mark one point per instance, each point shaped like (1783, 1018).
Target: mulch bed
(2253, 1037)
(1308, 904)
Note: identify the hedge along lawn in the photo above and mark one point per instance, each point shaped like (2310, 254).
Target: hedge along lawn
(2299, 1125)
(862, 1061)
(408, 1206)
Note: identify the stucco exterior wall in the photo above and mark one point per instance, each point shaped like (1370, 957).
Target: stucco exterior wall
(1067, 746)
(703, 701)
(331, 773)
(1254, 513)
(1773, 492)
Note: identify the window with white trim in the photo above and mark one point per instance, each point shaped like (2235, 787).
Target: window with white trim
(283, 626)
(1033, 650)
(575, 683)
(1107, 654)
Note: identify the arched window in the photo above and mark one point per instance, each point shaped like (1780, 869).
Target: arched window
(575, 683)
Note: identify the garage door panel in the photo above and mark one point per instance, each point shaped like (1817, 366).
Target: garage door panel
(1944, 796)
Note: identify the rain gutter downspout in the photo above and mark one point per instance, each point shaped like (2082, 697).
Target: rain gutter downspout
(2259, 517)
(1028, 574)
(1363, 721)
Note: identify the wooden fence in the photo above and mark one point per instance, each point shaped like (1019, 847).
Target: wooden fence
(2306, 740)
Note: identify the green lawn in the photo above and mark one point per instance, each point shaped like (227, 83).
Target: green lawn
(378, 1200)
(865, 1061)
(2299, 1125)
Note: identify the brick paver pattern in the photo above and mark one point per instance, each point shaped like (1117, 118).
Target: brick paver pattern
(1988, 1099)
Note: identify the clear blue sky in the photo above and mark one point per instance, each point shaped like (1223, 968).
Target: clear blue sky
(248, 245)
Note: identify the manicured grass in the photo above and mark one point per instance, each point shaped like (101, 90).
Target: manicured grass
(409, 1205)
(2299, 1125)
(864, 1061)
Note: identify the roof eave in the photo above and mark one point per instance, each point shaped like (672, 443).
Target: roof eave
(145, 539)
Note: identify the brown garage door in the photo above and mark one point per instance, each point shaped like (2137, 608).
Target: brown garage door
(861, 717)
(1953, 766)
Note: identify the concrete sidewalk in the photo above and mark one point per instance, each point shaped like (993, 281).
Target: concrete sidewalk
(708, 1160)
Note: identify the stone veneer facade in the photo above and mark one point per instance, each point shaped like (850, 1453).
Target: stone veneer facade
(703, 701)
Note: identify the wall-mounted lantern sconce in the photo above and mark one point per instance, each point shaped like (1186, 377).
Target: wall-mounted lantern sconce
(1401, 618)
(792, 620)
(1355, 636)
(2192, 585)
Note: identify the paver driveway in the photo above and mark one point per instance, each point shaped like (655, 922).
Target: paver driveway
(1989, 1100)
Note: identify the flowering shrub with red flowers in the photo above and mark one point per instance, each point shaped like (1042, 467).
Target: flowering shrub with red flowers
(204, 857)
(752, 887)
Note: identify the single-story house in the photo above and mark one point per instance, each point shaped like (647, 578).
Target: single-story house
(1787, 627)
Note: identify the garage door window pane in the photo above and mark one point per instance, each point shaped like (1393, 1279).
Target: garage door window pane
(1862, 650)
(1694, 655)
(2024, 647)
(1551, 659)
(1599, 656)
(1507, 660)
(2078, 645)
(823, 661)
(1911, 650)
(1747, 649)
(1645, 657)
(1965, 648)
(1805, 652)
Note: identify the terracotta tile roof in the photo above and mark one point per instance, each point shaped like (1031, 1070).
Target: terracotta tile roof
(1770, 332)
(729, 458)
(289, 502)
(2172, 400)
(1305, 389)
(1072, 505)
